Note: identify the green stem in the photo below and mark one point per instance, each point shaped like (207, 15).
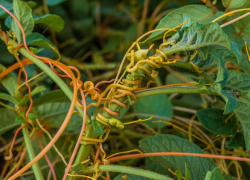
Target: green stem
(31, 153)
(171, 89)
(125, 169)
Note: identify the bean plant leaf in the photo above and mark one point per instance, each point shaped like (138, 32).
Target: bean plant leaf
(51, 97)
(216, 174)
(9, 98)
(53, 114)
(236, 141)
(242, 112)
(213, 120)
(156, 167)
(33, 92)
(170, 143)
(19, 120)
(9, 82)
(197, 13)
(23, 13)
(5, 4)
(7, 117)
(97, 127)
(231, 4)
(154, 105)
(36, 39)
(238, 80)
(202, 37)
(32, 116)
(52, 20)
(54, 2)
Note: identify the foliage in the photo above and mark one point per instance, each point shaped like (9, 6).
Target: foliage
(193, 86)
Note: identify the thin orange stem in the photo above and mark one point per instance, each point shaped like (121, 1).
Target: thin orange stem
(177, 154)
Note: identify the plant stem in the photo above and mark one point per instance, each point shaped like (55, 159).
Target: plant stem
(125, 169)
(31, 153)
(169, 89)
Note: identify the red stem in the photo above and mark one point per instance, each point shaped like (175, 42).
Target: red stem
(177, 154)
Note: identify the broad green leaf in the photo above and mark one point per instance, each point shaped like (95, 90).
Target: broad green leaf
(35, 91)
(5, 4)
(9, 98)
(53, 21)
(216, 174)
(24, 14)
(242, 112)
(238, 80)
(9, 82)
(57, 96)
(97, 127)
(202, 38)
(53, 114)
(231, 4)
(156, 167)
(170, 143)
(31, 4)
(237, 140)
(213, 120)
(7, 117)
(222, 74)
(197, 13)
(51, 97)
(19, 120)
(54, 2)
(154, 105)
(243, 24)
(37, 39)
(32, 116)
(230, 100)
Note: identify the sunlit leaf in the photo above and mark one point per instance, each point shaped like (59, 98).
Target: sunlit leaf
(52, 20)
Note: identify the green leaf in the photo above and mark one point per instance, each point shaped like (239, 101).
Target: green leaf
(32, 116)
(37, 39)
(154, 105)
(24, 15)
(187, 172)
(54, 2)
(216, 174)
(31, 4)
(238, 80)
(9, 82)
(53, 21)
(236, 141)
(35, 91)
(5, 4)
(178, 174)
(213, 120)
(242, 112)
(53, 115)
(156, 167)
(19, 120)
(197, 13)
(231, 4)
(130, 177)
(222, 74)
(50, 97)
(9, 98)
(7, 117)
(203, 38)
(170, 143)
(97, 127)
